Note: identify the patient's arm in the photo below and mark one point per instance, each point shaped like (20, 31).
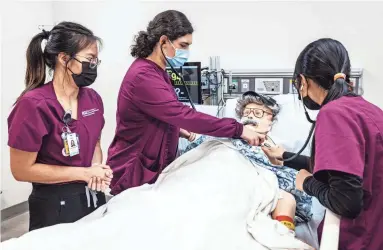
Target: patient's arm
(285, 210)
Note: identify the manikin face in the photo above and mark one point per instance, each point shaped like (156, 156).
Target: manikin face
(259, 116)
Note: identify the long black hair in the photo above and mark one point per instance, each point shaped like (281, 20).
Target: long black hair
(171, 23)
(320, 61)
(66, 37)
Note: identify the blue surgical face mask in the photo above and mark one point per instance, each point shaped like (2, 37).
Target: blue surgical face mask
(181, 56)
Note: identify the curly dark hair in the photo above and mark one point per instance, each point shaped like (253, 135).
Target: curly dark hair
(244, 101)
(171, 23)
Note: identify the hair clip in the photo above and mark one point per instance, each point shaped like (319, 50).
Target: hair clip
(339, 75)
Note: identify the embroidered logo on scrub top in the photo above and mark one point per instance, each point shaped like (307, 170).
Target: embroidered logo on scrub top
(89, 112)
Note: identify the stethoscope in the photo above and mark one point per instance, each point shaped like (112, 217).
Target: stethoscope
(308, 137)
(304, 145)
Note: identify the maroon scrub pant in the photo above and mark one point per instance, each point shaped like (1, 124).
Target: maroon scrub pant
(54, 204)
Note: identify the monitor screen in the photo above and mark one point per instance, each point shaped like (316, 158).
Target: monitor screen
(191, 73)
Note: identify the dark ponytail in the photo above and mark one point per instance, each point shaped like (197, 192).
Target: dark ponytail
(66, 37)
(341, 87)
(171, 23)
(35, 74)
(144, 45)
(320, 61)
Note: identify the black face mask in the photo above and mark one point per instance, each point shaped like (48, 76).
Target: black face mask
(310, 104)
(87, 76)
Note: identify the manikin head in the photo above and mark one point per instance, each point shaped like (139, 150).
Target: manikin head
(257, 110)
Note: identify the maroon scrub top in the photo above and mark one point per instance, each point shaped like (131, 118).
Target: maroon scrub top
(36, 122)
(348, 138)
(149, 118)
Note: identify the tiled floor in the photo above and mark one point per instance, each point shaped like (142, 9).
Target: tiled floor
(14, 227)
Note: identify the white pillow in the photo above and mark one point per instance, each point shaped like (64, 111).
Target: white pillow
(291, 128)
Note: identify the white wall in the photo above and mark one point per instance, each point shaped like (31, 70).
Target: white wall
(250, 35)
(20, 22)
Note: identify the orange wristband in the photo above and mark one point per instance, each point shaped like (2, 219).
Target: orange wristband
(287, 221)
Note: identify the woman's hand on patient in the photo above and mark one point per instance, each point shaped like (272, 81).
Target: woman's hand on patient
(274, 152)
(275, 161)
(251, 136)
(99, 177)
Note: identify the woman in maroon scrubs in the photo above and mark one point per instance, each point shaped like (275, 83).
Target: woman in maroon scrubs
(55, 128)
(344, 171)
(149, 116)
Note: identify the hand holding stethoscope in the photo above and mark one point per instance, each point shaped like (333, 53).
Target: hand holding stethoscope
(275, 155)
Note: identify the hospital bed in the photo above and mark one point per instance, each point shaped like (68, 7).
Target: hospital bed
(290, 131)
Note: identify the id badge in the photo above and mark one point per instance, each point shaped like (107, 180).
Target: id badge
(73, 143)
(65, 150)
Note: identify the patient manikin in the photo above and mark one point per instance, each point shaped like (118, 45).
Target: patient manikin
(253, 111)
(261, 112)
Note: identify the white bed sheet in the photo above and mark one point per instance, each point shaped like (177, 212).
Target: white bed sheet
(290, 130)
(210, 198)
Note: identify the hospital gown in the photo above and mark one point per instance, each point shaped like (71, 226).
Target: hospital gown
(286, 176)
